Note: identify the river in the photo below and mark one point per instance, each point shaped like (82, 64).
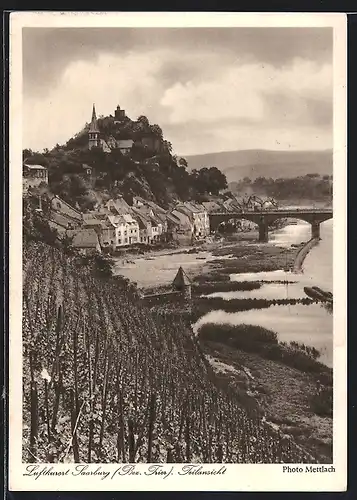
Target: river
(310, 324)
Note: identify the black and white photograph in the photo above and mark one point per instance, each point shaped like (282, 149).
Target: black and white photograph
(176, 233)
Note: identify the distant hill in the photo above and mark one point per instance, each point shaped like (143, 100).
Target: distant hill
(264, 163)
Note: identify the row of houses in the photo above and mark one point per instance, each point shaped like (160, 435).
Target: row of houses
(114, 224)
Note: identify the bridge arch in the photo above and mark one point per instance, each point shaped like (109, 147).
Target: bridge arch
(235, 224)
(265, 218)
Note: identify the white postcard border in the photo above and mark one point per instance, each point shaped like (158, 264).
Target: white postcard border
(242, 477)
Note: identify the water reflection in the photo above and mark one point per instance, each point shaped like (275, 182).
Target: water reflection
(307, 324)
(313, 324)
(266, 291)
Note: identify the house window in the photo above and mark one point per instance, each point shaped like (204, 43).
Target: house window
(119, 242)
(126, 240)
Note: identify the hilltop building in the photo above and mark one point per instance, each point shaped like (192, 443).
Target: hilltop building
(34, 175)
(119, 115)
(148, 140)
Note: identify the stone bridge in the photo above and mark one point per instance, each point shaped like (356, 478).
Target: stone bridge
(264, 218)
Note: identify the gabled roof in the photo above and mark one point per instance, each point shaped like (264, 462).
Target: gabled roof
(231, 204)
(89, 215)
(181, 212)
(181, 279)
(103, 215)
(194, 207)
(141, 221)
(85, 238)
(154, 206)
(151, 204)
(125, 143)
(184, 210)
(148, 212)
(172, 218)
(129, 219)
(119, 205)
(210, 206)
(80, 214)
(155, 220)
(140, 215)
(35, 167)
(161, 217)
(62, 220)
(199, 206)
(93, 223)
(116, 219)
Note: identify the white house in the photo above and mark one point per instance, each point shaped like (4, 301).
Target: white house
(126, 230)
(132, 228)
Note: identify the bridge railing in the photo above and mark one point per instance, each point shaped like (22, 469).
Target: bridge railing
(276, 211)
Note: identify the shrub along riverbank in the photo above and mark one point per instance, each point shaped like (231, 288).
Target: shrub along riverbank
(226, 286)
(204, 305)
(285, 382)
(264, 342)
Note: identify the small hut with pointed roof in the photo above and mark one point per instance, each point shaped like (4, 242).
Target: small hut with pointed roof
(182, 283)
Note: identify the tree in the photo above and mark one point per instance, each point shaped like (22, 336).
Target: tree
(35, 226)
(26, 154)
(142, 124)
(167, 146)
(208, 180)
(143, 120)
(313, 176)
(182, 162)
(157, 131)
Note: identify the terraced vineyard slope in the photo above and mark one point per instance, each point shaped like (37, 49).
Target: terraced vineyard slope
(106, 380)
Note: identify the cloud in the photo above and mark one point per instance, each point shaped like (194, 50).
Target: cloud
(253, 93)
(128, 81)
(48, 51)
(209, 89)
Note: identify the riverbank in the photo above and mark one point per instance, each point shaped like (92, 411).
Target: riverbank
(302, 254)
(211, 261)
(285, 397)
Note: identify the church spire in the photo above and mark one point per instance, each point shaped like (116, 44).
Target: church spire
(93, 131)
(94, 125)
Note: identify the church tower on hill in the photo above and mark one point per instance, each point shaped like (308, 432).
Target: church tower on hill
(93, 131)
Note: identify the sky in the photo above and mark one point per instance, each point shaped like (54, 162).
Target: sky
(210, 89)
